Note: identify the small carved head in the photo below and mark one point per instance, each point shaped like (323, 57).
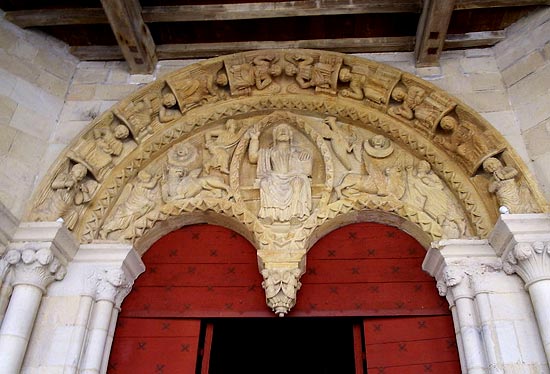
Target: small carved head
(282, 133)
(491, 165)
(168, 100)
(121, 132)
(79, 171)
(448, 123)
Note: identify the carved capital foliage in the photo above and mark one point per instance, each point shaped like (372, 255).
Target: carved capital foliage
(35, 266)
(109, 284)
(281, 286)
(530, 260)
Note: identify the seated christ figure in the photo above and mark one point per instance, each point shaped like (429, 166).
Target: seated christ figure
(284, 172)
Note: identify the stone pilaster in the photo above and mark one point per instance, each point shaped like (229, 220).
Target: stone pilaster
(523, 242)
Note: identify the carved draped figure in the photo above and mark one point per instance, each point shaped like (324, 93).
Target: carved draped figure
(285, 188)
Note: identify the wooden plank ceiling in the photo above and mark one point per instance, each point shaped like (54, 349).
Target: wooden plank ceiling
(144, 31)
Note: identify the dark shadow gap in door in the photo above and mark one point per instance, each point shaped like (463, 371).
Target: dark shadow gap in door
(282, 345)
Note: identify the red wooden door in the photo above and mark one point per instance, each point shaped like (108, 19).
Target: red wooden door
(367, 271)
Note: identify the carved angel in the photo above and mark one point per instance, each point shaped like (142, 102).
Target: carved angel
(505, 187)
(69, 191)
(219, 143)
(343, 144)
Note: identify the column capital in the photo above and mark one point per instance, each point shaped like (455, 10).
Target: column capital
(523, 243)
(39, 253)
(112, 285)
(35, 266)
(456, 263)
(531, 261)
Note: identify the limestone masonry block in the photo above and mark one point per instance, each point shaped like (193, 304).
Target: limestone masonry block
(523, 67)
(537, 139)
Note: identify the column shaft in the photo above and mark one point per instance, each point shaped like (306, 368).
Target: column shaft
(540, 298)
(17, 327)
(97, 337)
(471, 338)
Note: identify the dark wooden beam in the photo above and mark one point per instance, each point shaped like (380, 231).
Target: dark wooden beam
(211, 12)
(205, 50)
(477, 4)
(133, 36)
(432, 31)
(355, 45)
(474, 39)
(55, 17)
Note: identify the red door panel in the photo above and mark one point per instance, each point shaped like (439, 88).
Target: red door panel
(144, 346)
(411, 345)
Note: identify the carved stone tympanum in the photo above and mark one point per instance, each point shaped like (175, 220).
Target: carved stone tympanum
(284, 146)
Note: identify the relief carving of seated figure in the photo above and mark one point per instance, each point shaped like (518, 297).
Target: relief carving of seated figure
(284, 172)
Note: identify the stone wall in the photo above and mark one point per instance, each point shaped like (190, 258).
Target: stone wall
(524, 60)
(35, 73)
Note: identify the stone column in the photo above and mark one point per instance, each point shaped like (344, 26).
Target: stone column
(37, 255)
(111, 283)
(112, 269)
(523, 241)
(454, 263)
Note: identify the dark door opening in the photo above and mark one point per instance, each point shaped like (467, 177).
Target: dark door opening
(282, 345)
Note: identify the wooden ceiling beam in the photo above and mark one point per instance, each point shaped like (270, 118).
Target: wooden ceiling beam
(216, 12)
(133, 36)
(210, 12)
(352, 45)
(432, 31)
(478, 4)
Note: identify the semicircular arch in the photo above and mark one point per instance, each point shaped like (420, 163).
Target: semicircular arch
(376, 139)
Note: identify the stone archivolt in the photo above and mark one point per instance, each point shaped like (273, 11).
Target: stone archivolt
(361, 137)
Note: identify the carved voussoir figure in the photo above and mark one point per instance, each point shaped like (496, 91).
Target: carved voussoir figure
(321, 74)
(283, 172)
(257, 72)
(510, 196)
(169, 110)
(69, 190)
(469, 145)
(374, 85)
(138, 117)
(197, 87)
(106, 143)
(425, 109)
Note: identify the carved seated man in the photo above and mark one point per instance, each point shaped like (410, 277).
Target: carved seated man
(284, 172)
